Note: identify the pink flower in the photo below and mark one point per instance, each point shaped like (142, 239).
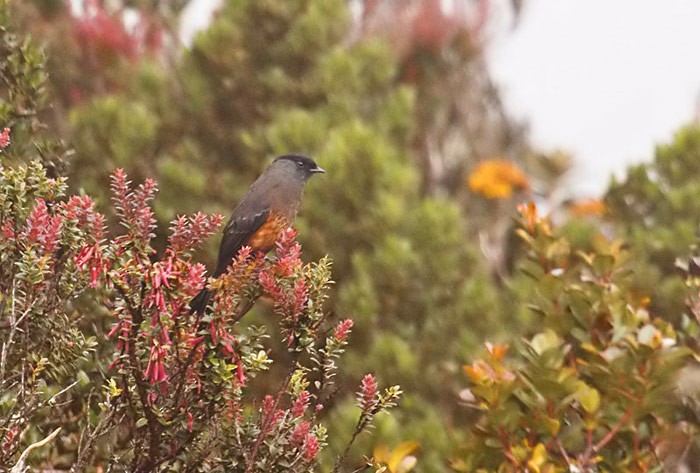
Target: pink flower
(343, 329)
(82, 211)
(96, 29)
(155, 298)
(9, 438)
(42, 228)
(299, 433)
(8, 231)
(187, 232)
(311, 447)
(91, 257)
(5, 138)
(270, 286)
(155, 371)
(300, 404)
(267, 405)
(240, 373)
(300, 297)
(368, 392)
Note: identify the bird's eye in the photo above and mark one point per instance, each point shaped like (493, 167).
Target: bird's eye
(300, 164)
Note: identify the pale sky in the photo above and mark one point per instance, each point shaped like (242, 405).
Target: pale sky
(606, 80)
(603, 79)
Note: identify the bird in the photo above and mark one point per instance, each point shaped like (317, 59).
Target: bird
(265, 211)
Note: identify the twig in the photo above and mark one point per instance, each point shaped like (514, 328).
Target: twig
(609, 436)
(62, 391)
(13, 328)
(562, 450)
(250, 460)
(364, 420)
(136, 371)
(20, 466)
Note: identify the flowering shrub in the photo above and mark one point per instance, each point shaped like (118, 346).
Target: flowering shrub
(176, 392)
(596, 388)
(40, 240)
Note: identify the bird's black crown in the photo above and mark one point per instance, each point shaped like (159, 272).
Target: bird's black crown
(304, 162)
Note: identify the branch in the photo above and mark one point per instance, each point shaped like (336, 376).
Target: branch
(20, 466)
(250, 460)
(52, 401)
(609, 436)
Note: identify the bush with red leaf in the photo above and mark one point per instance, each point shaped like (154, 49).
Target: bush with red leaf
(176, 391)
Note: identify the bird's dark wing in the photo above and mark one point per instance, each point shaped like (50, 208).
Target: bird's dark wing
(236, 235)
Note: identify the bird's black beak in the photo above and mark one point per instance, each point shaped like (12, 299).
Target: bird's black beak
(318, 170)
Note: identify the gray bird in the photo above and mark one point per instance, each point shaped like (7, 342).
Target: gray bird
(267, 209)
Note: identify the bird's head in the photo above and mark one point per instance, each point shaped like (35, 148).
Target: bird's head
(302, 166)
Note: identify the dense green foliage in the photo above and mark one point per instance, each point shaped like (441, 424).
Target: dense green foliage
(655, 208)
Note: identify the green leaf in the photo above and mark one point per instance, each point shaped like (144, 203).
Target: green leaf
(588, 397)
(544, 341)
(603, 264)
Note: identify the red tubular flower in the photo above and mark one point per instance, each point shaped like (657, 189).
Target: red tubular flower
(190, 421)
(155, 298)
(91, 257)
(123, 327)
(162, 271)
(155, 371)
(240, 374)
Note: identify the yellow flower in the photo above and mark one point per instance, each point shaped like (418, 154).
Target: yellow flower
(497, 179)
(537, 459)
(398, 460)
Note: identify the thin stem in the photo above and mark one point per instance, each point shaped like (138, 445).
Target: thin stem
(20, 465)
(250, 461)
(609, 436)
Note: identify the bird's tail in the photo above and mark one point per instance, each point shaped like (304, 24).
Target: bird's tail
(199, 303)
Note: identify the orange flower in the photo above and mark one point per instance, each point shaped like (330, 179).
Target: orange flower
(587, 208)
(532, 220)
(497, 179)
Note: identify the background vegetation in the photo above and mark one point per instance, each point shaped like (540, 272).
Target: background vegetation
(590, 317)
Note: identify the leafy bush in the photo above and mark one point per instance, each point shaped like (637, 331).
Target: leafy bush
(595, 389)
(177, 391)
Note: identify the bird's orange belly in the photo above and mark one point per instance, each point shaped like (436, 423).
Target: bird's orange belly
(266, 236)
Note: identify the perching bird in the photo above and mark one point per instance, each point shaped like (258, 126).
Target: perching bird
(267, 209)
